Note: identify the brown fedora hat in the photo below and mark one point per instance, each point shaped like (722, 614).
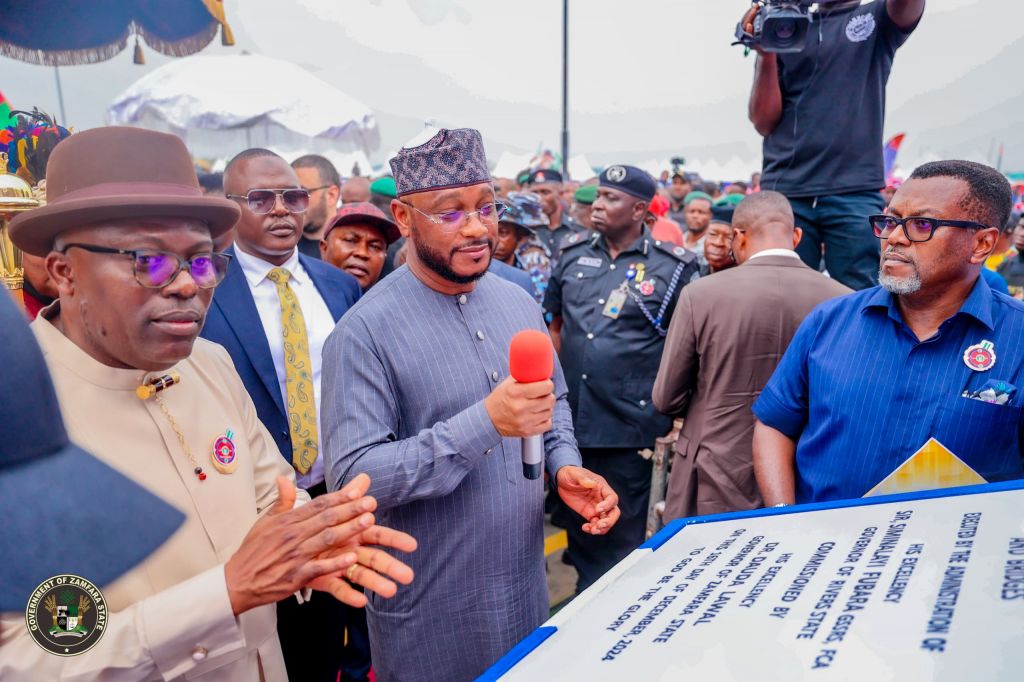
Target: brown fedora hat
(118, 172)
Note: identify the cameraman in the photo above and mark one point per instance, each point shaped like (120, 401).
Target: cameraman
(821, 112)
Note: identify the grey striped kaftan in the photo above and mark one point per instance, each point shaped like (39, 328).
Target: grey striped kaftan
(405, 373)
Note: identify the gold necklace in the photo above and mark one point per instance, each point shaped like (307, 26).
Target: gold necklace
(197, 470)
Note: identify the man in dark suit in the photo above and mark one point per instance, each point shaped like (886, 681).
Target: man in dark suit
(728, 333)
(273, 313)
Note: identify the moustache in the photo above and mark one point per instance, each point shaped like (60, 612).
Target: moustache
(489, 243)
(893, 251)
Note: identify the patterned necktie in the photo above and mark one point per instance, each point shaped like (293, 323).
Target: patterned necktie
(298, 375)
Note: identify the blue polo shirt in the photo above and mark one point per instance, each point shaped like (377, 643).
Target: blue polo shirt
(861, 394)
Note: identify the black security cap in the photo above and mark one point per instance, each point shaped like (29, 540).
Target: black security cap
(631, 180)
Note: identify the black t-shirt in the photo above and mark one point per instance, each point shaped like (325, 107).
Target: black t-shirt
(829, 139)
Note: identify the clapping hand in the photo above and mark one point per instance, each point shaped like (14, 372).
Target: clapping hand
(315, 545)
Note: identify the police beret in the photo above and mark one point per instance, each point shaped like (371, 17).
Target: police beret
(587, 194)
(630, 180)
(730, 200)
(543, 176)
(722, 213)
(692, 196)
(384, 186)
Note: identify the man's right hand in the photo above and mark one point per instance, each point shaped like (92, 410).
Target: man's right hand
(747, 22)
(288, 548)
(521, 410)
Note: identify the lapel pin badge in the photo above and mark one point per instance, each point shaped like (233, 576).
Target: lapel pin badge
(225, 456)
(980, 357)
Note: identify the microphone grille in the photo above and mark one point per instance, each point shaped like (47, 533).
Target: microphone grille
(531, 357)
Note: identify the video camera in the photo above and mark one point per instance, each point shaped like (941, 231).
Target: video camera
(779, 26)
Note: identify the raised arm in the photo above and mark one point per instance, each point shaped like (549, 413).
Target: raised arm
(905, 13)
(765, 106)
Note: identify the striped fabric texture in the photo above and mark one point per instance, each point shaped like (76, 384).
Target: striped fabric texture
(405, 373)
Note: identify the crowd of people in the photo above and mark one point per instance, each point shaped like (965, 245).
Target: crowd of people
(315, 370)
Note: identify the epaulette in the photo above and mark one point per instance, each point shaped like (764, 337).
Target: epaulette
(574, 239)
(678, 252)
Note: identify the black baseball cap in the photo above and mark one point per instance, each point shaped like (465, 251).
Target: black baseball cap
(543, 176)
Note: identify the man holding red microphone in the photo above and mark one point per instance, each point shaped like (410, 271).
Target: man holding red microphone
(417, 393)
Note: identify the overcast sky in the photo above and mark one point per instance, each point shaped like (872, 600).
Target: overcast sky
(648, 78)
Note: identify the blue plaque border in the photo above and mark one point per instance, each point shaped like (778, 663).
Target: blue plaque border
(541, 634)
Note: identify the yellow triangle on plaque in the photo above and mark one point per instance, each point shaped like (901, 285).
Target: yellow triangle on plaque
(931, 467)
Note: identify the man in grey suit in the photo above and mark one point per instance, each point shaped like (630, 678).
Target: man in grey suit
(728, 333)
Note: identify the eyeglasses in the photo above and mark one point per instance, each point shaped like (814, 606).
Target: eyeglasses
(262, 201)
(156, 269)
(916, 228)
(453, 220)
(316, 189)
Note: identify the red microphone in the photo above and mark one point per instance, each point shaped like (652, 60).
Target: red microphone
(531, 358)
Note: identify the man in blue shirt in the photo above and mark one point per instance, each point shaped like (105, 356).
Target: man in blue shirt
(931, 353)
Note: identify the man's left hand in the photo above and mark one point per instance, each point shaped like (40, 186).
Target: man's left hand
(590, 496)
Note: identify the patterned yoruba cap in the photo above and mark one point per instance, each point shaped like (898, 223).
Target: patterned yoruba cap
(451, 158)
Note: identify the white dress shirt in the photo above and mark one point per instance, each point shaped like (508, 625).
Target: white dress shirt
(319, 324)
(775, 252)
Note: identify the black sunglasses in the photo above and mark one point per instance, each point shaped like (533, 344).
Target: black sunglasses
(917, 228)
(262, 201)
(156, 269)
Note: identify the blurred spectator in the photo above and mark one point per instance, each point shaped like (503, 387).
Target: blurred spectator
(357, 241)
(355, 190)
(517, 243)
(583, 200)
(718, 247)
(547, 184)
(212, 184)
(698, 217)
(663, 229)
(502, 186)
(1004, 245)
(677, 192)
(382, 191)
(1012, 266)
(569, 188)
(319, 177)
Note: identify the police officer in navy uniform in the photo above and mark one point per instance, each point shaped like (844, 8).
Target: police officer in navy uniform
(547, 184)
(611, 297)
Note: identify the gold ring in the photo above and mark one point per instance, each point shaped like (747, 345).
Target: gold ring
(350, 571)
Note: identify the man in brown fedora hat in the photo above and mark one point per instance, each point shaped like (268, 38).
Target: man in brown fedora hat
(128, 242)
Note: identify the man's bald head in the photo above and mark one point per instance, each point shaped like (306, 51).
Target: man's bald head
(763, 220)
(355, 190)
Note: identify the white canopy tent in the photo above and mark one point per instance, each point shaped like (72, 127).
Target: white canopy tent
(580, 169)
(509, 164)
(220, 105)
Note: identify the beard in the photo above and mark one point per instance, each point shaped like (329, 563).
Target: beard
(315, 216)
(442, 266)
(901, 286)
